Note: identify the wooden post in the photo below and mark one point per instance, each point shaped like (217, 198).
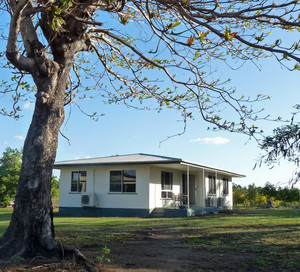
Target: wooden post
(188, 186)
(204, 188)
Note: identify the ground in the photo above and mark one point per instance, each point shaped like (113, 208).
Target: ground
(264, 241)
(152, 250)
(156, 250)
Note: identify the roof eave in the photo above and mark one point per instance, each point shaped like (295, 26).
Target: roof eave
(61, 165)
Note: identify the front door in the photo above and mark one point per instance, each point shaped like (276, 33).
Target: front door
(192, 188)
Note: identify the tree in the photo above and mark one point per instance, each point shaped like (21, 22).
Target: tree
(252, 193)
(284, 144)
(54, 187)
(269, 190)
(133, 46)
(10, 167)
(239, 194)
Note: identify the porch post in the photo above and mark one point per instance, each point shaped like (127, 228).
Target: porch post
(217, 185)
(204, 189)
(188, 186)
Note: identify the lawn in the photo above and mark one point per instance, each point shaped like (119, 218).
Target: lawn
(260, 239)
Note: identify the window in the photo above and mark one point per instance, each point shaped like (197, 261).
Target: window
(123, 181)
(225, 186)
(212, 185)
(78, 182)
(166, 184)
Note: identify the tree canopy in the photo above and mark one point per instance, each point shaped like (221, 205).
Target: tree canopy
(144, 53)
(180, 39)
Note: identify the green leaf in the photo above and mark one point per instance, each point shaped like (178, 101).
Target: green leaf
(175, 24)
(297, 67)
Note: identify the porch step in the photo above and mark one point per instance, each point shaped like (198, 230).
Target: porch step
(157, 213)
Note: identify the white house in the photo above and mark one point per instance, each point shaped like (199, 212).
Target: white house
(141, 185)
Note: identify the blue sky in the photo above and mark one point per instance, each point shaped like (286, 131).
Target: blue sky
(124, 130)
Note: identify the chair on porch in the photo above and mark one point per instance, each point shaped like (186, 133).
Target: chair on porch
(176, 199)
(183, 199)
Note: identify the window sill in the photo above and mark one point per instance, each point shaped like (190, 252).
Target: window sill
(210, 194)
(120, 193)
(76, 193)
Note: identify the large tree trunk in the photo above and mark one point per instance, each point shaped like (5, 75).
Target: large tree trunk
(31, 230)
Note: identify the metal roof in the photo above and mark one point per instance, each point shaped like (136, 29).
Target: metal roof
(138, 159)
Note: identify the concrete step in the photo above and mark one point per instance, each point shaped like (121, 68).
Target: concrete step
(158, 213)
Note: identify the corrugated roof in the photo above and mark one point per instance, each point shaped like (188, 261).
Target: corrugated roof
(139, 158)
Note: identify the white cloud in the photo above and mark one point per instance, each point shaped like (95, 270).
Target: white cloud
(19, 137)
(214, 140)
(28, 105)
(6, 143)
(87, 157)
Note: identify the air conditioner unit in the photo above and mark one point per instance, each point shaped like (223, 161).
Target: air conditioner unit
(88, 200)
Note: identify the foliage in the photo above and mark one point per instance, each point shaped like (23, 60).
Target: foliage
(131, 42)
(251, 194)
(10, 167)
(284, 144)
(146, 54)
(257, 196)
(17, 259)
(54, 187)
(103, 257)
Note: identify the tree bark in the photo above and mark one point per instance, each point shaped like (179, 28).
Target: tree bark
(31, 230)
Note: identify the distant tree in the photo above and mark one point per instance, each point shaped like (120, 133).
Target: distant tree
(10, 167)
(239, 194)
(54, 186)
(130, 48)
(288, 194)
(252, 193)
(269, 190)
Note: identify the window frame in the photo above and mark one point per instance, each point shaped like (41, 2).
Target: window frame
(167, 192)
(225, 190)
(79, 183)
(123, 182)
(212, 185)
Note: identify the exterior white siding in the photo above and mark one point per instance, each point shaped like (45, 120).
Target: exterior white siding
(98, 182)
(148, 188)
(155, 187)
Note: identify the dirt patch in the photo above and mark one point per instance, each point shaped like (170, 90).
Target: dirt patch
(151, 249)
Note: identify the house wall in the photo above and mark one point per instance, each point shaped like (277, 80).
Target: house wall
(219, 190)
(155, 199)
(98, 182)
(155, 187)
(147, 195)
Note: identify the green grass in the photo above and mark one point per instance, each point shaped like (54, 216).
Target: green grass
(267, 239)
